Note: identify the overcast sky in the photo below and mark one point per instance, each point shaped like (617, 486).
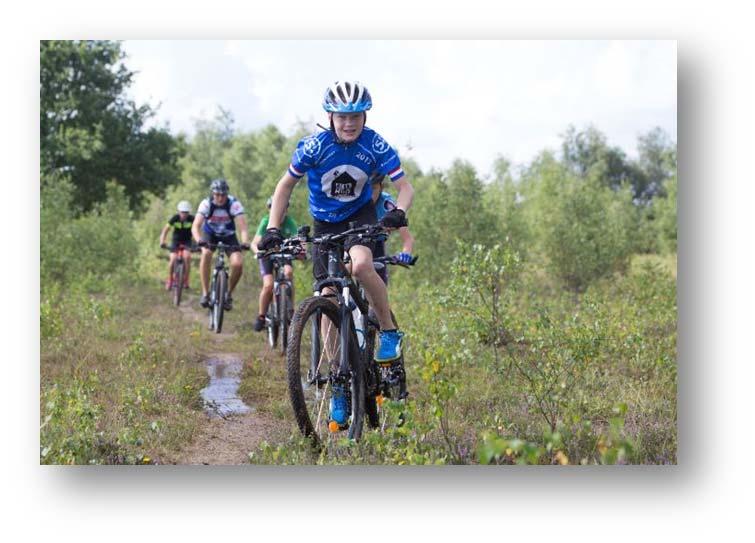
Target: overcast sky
(433, 100)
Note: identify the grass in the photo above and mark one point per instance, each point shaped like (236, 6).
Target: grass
(119, 377)
(121, 374)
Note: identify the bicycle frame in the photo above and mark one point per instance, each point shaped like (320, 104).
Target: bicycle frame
(349, 297)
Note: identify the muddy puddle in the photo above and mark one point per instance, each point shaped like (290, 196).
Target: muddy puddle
(221, 395)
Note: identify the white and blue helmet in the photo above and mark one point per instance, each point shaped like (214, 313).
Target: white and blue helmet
(346, 97)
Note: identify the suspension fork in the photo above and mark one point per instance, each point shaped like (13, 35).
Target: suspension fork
(346, 334)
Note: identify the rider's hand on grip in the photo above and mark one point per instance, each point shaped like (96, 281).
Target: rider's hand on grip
(404, 258)
(395, 218)
(272, 238)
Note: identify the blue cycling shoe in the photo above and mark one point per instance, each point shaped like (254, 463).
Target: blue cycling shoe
(390, 346)
(339, 405)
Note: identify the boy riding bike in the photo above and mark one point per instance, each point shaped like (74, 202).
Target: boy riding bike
(215, 222)
(181, 224)
(339, 163)
(289, 229)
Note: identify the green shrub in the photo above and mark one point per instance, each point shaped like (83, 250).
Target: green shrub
(583, 228)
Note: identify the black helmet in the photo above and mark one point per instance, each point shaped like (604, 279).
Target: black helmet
(219, 185)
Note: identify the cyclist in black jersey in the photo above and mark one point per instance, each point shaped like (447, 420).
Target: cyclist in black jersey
(181, 223)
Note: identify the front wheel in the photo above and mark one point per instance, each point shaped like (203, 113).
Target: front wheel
(285, 308)
(271, 323)
(313, 356)
(178, 281)
(221, 288)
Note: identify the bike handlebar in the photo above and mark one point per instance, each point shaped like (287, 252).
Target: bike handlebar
(221, 245)
(367, 231)
(181, 247)
(393, 261)
(291, 247)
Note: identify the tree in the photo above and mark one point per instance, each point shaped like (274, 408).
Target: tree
(587, 152)
(503, 201)
(91, 132)
(657, 159)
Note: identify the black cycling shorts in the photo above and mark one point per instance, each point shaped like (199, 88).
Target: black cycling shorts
(365, 215)
(377, 253)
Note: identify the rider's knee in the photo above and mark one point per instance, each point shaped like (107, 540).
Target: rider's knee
(361, 268)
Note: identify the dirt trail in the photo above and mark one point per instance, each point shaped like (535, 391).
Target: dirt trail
(230, 429)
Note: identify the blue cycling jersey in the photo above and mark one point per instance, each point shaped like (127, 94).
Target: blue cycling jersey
(337, 174)
(384, 204)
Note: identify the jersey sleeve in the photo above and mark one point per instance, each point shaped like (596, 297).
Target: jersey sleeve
(262, 228)
(304, 156)
(389, 203)
(204, 208)
(236, 209)
(388, 162)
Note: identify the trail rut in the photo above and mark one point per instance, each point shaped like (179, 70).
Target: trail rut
(230, 429)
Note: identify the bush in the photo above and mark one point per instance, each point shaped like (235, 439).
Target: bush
(583, 227)
(87, 249)
(666, 217)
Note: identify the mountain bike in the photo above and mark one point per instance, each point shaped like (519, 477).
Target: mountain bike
(219, 283)
(178, 271)
(327, 344)
(281, 308)
(385, 384)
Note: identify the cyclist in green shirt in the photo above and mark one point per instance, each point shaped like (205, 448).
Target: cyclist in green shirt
(288, 229)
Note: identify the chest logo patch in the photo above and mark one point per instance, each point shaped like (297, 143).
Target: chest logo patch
(343, 185)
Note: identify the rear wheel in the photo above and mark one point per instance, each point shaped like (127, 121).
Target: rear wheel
(221, 288)
(313, 357)
(385, 388)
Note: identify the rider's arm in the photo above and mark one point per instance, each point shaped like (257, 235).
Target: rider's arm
(255, 240)
(196, 226)
(405, 193)
(280, 199)
(164, 234)
(242, 226)
(407, 239)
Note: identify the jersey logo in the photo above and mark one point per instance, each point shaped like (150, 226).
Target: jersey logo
(379, 145)
(311, 146)
(343, 185)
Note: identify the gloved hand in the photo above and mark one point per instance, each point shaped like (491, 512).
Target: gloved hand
(202, 243)
(163, 246)
(403, 258)
(395, 218)
(245, 246)
(272, 238)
